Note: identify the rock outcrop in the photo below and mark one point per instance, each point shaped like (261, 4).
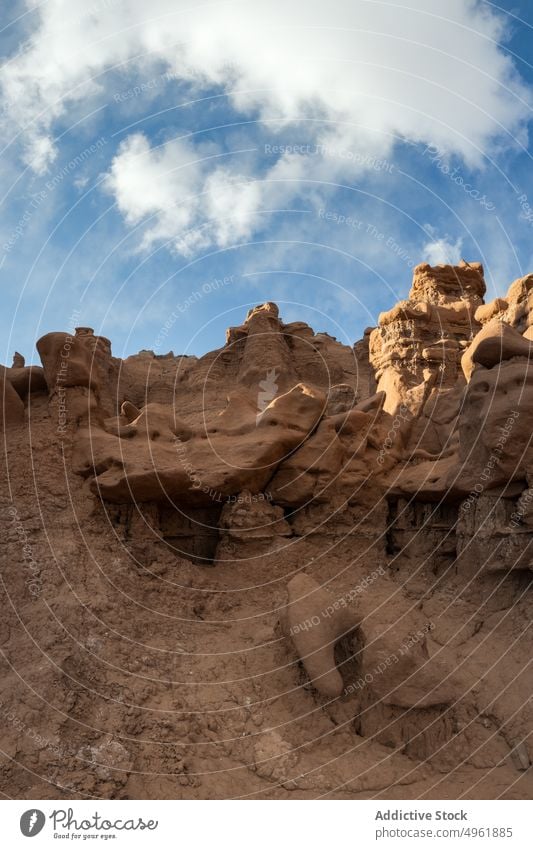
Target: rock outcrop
(315, 622)
(157, 457)
(366, 512)
(419, 342)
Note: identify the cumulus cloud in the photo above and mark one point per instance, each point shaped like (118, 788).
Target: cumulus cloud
(428, 72)
(39, 153)
(357, 72)
(180, 196)
(442, 251)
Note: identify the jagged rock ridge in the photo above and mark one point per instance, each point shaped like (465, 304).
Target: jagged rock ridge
(365, 513)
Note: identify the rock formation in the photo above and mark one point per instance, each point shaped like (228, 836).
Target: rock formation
(315, 622)
(418, 343)
(366, 516)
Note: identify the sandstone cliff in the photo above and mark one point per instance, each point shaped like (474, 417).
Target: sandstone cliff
(288, 568)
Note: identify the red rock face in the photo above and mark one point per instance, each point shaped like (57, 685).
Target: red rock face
(282, 538)
(421, 340)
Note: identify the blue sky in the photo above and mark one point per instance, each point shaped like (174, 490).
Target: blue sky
(183, 162)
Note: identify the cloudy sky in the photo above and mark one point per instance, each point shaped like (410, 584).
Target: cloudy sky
(176, 162)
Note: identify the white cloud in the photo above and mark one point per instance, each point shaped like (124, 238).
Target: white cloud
(81, 182)
(39, 153)
(431, 72)
(441, 251)
(178, 195)
(368, 72)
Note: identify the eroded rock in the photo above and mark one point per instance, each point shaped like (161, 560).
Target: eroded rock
(315, 625)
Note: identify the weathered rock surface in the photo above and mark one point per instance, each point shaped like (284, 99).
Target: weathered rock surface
(421, 340)
(156, 457)
(315, 624)
(380, 495)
